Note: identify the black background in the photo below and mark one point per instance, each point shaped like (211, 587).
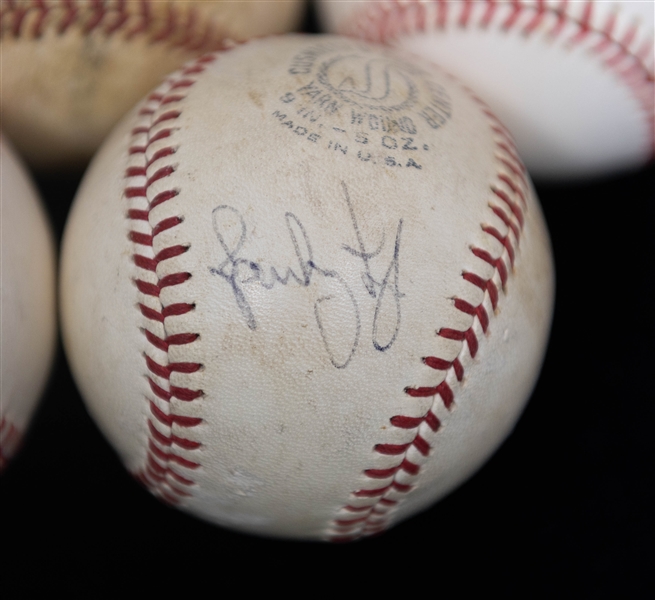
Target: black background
(565, 506)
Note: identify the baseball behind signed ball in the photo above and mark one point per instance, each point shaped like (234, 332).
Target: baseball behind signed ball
(573, 81)
(27, 281)
(306, 287)
(72, 68)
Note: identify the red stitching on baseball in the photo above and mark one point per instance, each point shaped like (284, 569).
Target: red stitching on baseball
(171, 419)
(385, 21)
(391, 449)
(172, 439)
(466, 13)
(10, 440)
(178, 339)
(372, 505)
(167, 451)
(110, 18)
(513, 17)
(539, 15)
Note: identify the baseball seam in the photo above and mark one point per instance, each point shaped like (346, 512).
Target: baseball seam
(171, 450)
(370, 508)
(627, 53)
(10, 440)
(132, 19)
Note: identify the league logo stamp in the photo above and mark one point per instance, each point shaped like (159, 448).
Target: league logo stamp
(362, 106)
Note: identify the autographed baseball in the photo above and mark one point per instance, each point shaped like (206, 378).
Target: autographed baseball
(72, 68)
(27, 284)
(306, 287)
(573, 81)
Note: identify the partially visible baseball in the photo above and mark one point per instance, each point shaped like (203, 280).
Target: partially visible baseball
(72, 68)
(319, 285)
(573, 81)
(27, 284)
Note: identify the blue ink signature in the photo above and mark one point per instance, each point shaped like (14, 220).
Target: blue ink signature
(240, 272)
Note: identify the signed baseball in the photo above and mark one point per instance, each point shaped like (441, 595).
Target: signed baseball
(27, 284)
(72, 68)
(573, 81)
(306, 287)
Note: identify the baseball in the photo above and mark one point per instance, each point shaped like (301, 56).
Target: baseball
(27, 283)
(573, 81)
(72, 68)
(306, 287)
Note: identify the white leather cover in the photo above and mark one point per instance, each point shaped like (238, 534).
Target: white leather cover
(276, 273)
(573, 81)
(27, 281)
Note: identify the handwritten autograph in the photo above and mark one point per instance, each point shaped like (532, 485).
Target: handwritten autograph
(240, 272)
